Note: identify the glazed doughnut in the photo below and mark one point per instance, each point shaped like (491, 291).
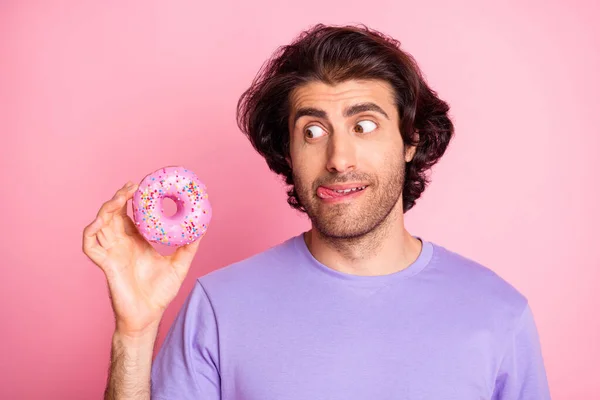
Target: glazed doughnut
(194, 212)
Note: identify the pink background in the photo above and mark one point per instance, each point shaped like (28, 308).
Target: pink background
(93, 94)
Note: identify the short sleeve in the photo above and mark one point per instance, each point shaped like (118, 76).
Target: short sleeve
(522, 375)
(187, 364)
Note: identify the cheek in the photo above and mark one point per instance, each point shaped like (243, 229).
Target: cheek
(374, 156)
(381, 160)
(306, 166)
(305, 155)
(302, 166)
(296, 150)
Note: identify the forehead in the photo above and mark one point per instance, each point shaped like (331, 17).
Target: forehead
(336, 97)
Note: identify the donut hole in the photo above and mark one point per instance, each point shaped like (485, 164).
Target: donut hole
(169, 207)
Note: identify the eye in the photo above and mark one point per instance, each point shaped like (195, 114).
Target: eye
(366, 127)
(314, 131)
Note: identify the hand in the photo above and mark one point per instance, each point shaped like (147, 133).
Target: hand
(141, 282)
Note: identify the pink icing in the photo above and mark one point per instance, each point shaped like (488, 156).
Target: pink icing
(193, 214)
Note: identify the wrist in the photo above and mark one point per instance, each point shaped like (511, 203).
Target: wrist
(136, 336)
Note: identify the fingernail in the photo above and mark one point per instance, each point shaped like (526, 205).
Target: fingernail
(129, 185)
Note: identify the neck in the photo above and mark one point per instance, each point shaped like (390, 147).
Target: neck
(386, 249)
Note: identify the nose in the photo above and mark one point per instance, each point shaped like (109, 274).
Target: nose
(341, 153)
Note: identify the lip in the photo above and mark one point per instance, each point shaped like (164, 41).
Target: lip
(343, 198)
(344, 186)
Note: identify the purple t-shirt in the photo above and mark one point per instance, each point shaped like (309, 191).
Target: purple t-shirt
(282, 326)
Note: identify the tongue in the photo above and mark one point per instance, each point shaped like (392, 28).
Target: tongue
(328, 193)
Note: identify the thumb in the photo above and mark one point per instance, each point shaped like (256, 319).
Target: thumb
(183, 256)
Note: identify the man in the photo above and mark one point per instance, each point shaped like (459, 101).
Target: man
(355, 308)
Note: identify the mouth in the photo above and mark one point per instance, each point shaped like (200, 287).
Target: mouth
(341, 192)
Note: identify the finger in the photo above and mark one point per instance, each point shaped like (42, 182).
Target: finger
(91, 247)
(117, 224)
(183, 256)
(129, 226)
(120, 217)
(122, 222)
(89, 234)
(117, 203)
(105, 239)
(112, 229)
(110, 207)
(128, 192)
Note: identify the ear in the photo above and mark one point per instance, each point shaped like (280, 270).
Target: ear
(410, 151)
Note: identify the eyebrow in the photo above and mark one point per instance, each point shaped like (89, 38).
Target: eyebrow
(348, 112)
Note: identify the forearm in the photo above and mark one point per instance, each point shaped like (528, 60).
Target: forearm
(130, 366)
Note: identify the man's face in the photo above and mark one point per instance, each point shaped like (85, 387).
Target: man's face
(347, 155)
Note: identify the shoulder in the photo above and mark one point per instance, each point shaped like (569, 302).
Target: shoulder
(258, 269)
(469, 282)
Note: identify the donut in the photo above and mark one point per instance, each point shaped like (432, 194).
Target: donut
(194, 212)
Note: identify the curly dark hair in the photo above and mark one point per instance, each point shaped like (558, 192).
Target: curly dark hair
(334, 54)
